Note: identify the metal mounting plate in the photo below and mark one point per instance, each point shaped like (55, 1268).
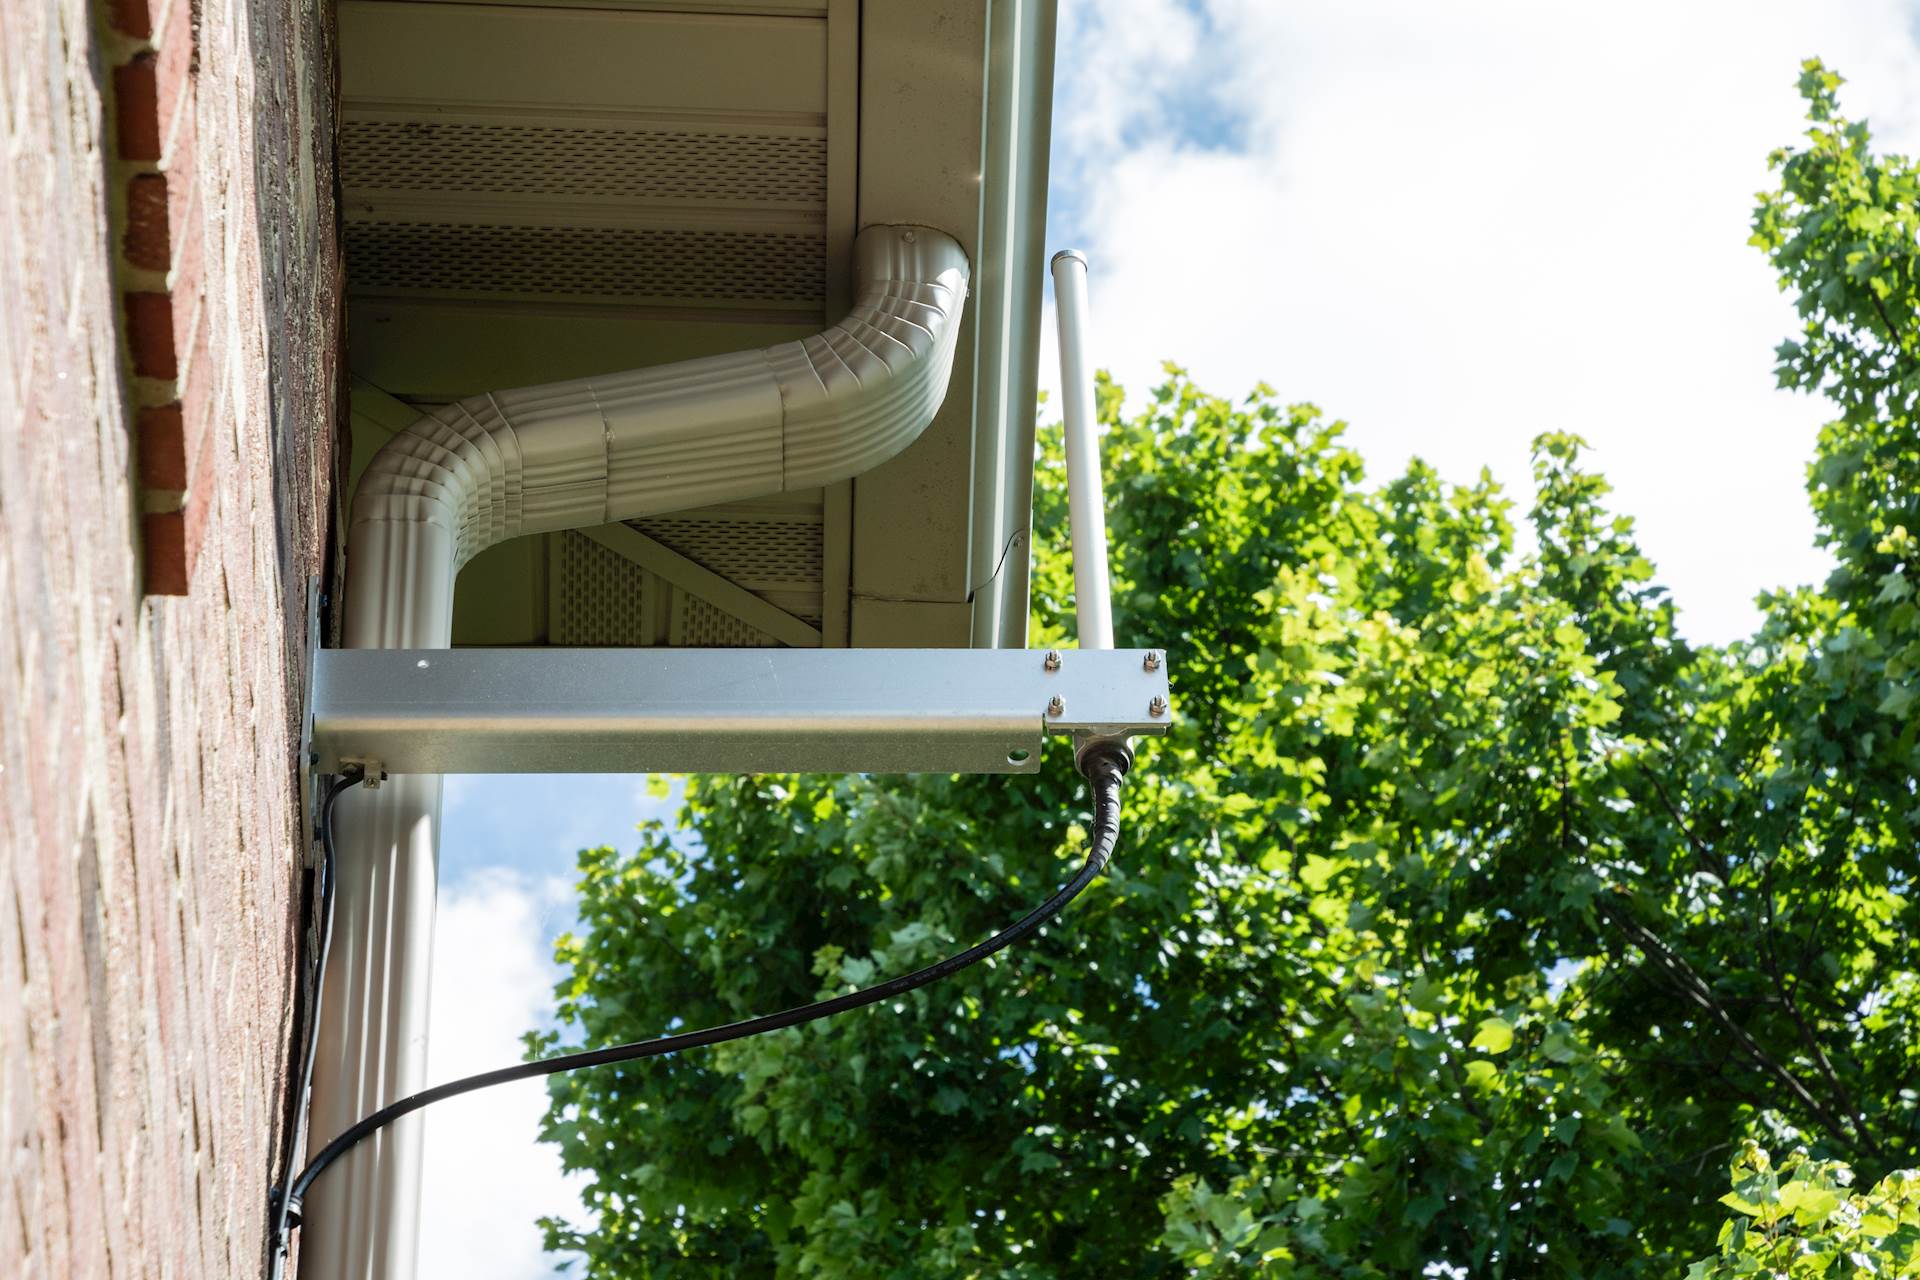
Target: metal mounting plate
(724, 710)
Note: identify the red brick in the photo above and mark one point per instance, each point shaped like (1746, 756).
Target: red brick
(162, 445)
(150, 335)
(136, 104)
(148, 241)
(131, 18)
(164, 539)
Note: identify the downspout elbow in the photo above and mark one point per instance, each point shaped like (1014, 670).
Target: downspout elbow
(595, 450)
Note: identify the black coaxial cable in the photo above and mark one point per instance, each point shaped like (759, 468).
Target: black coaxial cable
(283, 1207)
(1105, 769)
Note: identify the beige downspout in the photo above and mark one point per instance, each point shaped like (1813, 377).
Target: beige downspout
(539, 459)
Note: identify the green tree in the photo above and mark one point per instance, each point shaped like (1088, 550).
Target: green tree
(1802, 1218)
(1469, 919)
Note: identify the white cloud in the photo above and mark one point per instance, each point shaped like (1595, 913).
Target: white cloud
(1137, 55)
(487, 1177)
(1459, 225)
(507, 862)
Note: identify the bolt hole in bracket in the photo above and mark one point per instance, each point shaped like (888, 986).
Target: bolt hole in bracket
(727, 710)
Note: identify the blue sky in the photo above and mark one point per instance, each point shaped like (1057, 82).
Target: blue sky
(1455, 225)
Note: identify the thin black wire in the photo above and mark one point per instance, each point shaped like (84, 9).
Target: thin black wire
(1105, 774)
(283, 1205)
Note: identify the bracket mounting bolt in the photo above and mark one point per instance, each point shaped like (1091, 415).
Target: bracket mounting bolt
(1056, 705)
(1158, 707)
(1053, 660)
(1151, 662)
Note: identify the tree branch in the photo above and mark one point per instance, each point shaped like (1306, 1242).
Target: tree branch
(1713, 866)
(1902, 366)
(1690, 986)
(1770, 960)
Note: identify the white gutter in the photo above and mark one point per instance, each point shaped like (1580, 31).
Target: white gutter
(539, 459)
(1008, 279)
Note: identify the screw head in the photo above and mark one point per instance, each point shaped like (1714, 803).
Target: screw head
(1151, 662)
(1056, 705)
(1053, 660)
(1158, 707)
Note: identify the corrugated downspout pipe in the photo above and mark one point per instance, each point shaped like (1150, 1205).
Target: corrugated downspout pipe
(535, 460)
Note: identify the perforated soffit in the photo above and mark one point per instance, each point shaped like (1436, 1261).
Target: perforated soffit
(597, 156)
(600, 596)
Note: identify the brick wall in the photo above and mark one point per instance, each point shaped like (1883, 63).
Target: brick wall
(169, 324)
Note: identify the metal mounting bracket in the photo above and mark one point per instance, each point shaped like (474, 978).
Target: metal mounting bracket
(725, 710)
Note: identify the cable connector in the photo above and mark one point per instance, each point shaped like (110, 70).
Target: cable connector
(1105, 762)
(1093, 756)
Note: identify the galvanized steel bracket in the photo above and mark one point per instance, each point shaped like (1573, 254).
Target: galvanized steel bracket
(725, 710)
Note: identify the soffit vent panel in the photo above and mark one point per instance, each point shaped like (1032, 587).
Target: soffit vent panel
(761, 555)
(639, 161)
(774, 550)
(575, 264)
(380, 158)
(600, 597)
(698, 624)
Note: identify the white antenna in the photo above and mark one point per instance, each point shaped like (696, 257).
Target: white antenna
(1086, 505)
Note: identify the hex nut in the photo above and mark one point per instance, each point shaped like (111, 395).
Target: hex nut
(1052, 662)
(1056, 705)
(1158, 707)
